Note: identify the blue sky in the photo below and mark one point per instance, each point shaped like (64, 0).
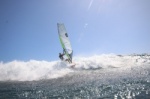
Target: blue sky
(28, 28)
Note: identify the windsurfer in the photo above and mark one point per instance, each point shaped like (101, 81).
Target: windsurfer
(61, 56)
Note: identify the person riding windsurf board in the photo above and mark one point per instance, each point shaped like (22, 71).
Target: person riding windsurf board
(66, 45)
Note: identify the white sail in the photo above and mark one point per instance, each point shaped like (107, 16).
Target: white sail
(64, 40)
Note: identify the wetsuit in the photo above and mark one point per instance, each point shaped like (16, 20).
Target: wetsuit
(61, 56)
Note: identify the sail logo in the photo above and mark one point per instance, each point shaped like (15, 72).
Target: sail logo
(66, 34)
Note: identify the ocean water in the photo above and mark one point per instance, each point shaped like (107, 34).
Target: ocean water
(97, 77)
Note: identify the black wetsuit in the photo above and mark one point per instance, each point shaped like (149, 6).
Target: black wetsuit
(61, 56)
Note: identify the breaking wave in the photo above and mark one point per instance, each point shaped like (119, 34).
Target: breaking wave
(31, 70)
(37, 70)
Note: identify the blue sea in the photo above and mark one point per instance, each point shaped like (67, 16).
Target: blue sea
(106, 76)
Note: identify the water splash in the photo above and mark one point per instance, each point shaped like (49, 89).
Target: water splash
(37, 70)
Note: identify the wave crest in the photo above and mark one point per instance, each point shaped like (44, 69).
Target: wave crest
(37, 70)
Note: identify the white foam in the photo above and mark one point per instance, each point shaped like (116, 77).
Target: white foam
(110, 60)
(32, 70)
(36, 70)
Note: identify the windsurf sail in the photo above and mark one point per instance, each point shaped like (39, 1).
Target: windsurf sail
(65, 42)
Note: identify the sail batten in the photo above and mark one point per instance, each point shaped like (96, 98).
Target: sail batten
(64, 40)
